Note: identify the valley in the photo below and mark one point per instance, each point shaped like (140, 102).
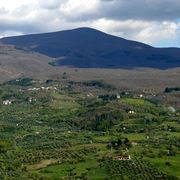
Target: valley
(63, 129)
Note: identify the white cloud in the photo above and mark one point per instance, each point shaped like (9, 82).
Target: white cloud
(73, 9)
(12, 33)
(49, 4)
(11, 5)
(145, 31)
(157, 32)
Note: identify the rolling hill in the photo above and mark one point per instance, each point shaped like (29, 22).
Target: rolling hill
(15, 63)
(90, 48)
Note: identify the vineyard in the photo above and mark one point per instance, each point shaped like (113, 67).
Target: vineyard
(133, 169)
(86, 130)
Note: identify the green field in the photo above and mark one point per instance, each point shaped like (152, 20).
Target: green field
(81, 130)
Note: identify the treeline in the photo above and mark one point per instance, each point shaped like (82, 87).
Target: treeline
(98, 83)
(101, 119)
(171, 89)
(21, 82)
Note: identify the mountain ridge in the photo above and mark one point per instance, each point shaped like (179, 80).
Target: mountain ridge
(90, 48)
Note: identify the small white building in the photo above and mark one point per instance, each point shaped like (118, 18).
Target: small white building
(118, 96)
(124, 158)
(131, 112)
(171, 109)
(7, 102)
(30, 99)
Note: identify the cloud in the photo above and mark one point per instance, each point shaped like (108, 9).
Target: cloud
(149, 21)
(50, 4)
(74, 10)
(157, 32)
(141, 9)
(150, 32)
(6, 33)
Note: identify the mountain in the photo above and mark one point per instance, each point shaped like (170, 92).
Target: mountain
(90, 48)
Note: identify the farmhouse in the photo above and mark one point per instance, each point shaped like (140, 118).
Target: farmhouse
(7, 102)
(171, 109)
(131, 112)
(118, 96)
(124, 158)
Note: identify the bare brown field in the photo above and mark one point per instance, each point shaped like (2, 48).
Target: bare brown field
(154, 79)
(15, 63)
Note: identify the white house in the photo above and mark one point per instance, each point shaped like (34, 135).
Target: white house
(131, 112)
(7, 102)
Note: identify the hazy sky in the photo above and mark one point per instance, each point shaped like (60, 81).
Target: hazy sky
(156, 22)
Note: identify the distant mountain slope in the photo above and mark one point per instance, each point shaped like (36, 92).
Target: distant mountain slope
(16, 63)
(89, 48)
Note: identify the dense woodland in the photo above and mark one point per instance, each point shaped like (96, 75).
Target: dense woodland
(60, 129)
